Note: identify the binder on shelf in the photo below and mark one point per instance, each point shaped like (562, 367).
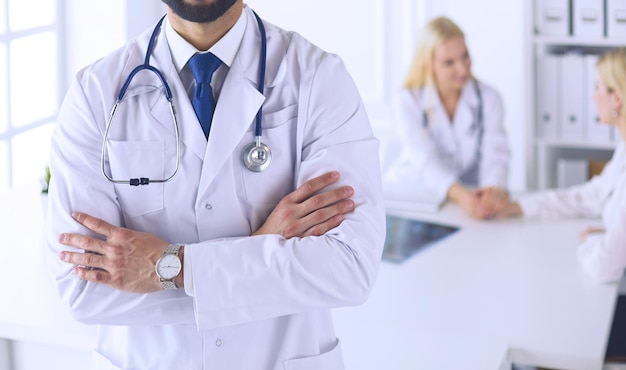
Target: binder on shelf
(572, 97)
(553, 17)
(588, 18)
(595, 131)
(615, 18)
(547, 95)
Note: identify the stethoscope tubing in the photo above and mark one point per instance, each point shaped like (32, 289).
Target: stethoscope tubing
(256, 148)
(168, 95)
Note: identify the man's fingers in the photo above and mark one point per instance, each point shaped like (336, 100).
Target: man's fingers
(319, 221)
(327, 198)
(95, 224)
(321, 229)
(314, 185)
(97, 276)
(83, 259)
(327, 218)
(83, 242)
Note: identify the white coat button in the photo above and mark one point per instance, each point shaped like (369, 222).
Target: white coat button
(219, 342)
(208, 206)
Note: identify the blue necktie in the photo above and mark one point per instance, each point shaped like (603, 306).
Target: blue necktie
(202, 66)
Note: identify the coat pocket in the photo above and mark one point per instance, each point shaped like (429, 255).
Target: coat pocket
(276, 181)
(137, 159)
(331, 360)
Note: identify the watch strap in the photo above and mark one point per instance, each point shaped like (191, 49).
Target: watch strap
(172, 249)
(168, 284)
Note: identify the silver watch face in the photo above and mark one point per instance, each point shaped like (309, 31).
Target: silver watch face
(168, 266)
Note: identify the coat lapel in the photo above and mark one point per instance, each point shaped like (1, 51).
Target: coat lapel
(236, 108)
(465, 120)
(238, 103)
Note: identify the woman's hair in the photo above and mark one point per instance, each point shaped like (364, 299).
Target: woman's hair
(612, 70)
(435, 33)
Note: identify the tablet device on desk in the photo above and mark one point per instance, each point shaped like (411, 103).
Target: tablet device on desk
(406, 236)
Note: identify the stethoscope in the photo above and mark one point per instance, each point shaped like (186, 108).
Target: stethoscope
(257, 156)
(476, 126)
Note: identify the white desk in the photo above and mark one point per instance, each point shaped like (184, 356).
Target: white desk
(30, 308)
(510, 281)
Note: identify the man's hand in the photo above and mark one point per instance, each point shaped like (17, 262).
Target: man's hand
(125, 260)
(303, 212)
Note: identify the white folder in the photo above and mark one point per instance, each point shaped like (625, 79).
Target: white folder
(547, 95)
(588, 18)
(615, 18)
(572, 97)
(553, 17)
(595, 131)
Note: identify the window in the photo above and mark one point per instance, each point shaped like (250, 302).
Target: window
(30, 87)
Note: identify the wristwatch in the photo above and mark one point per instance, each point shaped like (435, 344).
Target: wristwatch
(168, 266)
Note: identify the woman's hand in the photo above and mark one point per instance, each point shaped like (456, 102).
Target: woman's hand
(591, 230)
(484, 203)
(492, 201)
(466, 198)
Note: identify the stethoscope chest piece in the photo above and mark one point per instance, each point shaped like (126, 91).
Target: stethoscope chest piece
(257, 156)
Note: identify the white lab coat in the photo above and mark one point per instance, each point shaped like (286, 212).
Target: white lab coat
(432, 157)
(258, 302)
(603, 255)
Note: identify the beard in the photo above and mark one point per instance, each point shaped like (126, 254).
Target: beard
(199, 13)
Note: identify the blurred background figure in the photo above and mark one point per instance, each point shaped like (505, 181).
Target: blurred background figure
(449, 128)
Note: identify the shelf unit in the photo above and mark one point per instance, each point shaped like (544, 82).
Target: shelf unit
(546, 150)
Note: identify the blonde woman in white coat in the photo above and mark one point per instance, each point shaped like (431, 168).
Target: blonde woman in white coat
(602, 253)
(450, 128)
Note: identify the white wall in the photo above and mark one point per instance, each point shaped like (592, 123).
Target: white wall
(96, 28)
(85, 40)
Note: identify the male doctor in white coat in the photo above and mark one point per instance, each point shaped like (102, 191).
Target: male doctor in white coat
(263, 256)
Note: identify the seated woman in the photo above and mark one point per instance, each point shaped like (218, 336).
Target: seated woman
(602, 253)
(449, 128)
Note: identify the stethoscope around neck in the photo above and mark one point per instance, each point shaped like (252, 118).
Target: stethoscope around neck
(256, 157)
